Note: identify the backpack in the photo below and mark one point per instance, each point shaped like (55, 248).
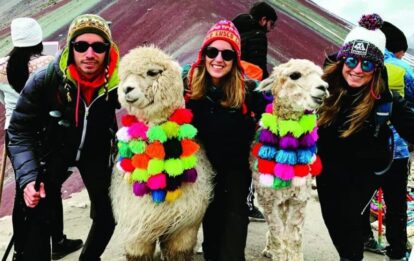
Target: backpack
(382, 116)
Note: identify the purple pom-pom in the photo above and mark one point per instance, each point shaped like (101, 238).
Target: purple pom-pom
(140, 189)
(371, 21)
(190, 175)
(307, 140)
(288, 142)
(267, 136)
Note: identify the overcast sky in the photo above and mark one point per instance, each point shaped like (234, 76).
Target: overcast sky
(398, 12)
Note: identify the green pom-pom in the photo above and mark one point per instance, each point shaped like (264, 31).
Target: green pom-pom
(291, 126)
(308, 122)
(156, 133)
(123, 149)
(171, 129)
(140, 175)
(187, 131)
(269, 121)
(189, 162)
(155, 166)
(137, 146)
(174, 167)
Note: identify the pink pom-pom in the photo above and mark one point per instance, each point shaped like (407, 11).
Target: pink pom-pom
(118, 166)
(266, 180)
(140, 189)
(314, 134)
(269, 108)
(371, 21)
(158, 181)
(284, 171)
(182, 116)
(122, 134)
(128, 119)
(138, 130)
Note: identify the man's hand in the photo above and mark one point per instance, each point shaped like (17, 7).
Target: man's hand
(31, 196)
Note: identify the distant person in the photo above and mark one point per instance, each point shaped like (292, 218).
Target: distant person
(394, 182)
(354, 137)
(65, 117)
(253, 28)
(15, 69)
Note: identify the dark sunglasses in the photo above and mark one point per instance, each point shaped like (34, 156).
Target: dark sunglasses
(97, 47)
(366, 65)
(212, 53)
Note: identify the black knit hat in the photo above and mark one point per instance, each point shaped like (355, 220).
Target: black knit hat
(396, 40)
(261, 9)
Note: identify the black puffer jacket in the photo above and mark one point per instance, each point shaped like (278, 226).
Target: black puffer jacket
(253, 41)
(42, 128)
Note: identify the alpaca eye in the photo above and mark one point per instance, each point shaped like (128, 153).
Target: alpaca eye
(153, 73)
(295, 75)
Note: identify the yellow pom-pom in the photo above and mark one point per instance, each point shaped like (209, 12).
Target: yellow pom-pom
(140, 175)
(173, 195)
(171, 129)
(127, 177)
(173, 167)
(155, 166)
(189, 162)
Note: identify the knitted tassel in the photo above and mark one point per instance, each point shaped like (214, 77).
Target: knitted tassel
(155, 166)
(286, 157)
(267, 152)
(128, 119)
(155, 150)
(187, 131)
(126, 165)
(173, 195)
(189, 162)
(298, 181)
(156, 133)
(122, 134)
(140, 161)
(284, 171)
(158, 196)
(307, 140)
(181, 116)
(138, 130)
(316, 167)
(158, 181)
(286, 126)
(140, 175)
(139, 189)
(173, 167)
(269, 121)
(137, 146)
(171, 129)
(266, 180)
(265, 166)
(189, 147)
(123, 150)
(304, 156)
(288, 142)
(307, 122)
(267, 136)
(190, 175)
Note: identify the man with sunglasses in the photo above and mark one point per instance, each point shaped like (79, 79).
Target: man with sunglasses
(253, 28)
(65, 118)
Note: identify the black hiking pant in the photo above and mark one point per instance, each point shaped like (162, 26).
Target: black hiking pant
(226, 220)
(394, 187)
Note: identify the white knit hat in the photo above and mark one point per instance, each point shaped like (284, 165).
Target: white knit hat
(365, 40)
(25, 32)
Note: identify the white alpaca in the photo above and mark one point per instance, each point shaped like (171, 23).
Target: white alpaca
(151, 89)
(283, 157)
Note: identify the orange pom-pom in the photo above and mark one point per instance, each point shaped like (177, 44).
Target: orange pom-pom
(316, 166)
(181, 116)
(256, 148)
(126, 165)
(155, 150)
(140, 161)
(128, 119)
(301, 170)
(265, 166)
(189, 147)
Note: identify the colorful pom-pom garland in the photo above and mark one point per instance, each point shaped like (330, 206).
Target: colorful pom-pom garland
(285, 150)
(157, 160)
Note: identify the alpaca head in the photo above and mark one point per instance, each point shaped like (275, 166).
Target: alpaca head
(150, 85)
(296, 86)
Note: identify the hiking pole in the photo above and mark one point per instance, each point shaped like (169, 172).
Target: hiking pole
(379, 198)
(2, 168)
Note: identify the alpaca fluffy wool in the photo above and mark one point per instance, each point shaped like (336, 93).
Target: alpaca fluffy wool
(158, 159)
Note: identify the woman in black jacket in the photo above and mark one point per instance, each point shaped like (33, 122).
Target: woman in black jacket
(355, 142)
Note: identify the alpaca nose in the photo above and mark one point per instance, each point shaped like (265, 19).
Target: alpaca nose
(322, 88)
(128, 89)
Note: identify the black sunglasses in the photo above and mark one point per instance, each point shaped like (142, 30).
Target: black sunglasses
(366, 65)
(97, 47)
(212, 53)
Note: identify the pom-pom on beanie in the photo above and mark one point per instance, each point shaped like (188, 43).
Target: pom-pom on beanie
(25, 32)
(396, 40)
(365, 41)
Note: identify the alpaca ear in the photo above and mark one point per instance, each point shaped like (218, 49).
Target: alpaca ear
(266, 85)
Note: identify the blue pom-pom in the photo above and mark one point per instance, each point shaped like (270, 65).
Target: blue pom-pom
(267, 152)
(158, 196)
(304, 156)
(286, 157)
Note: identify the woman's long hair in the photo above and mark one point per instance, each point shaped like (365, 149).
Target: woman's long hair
(232, 85)
(18, 65)
(365, 100)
